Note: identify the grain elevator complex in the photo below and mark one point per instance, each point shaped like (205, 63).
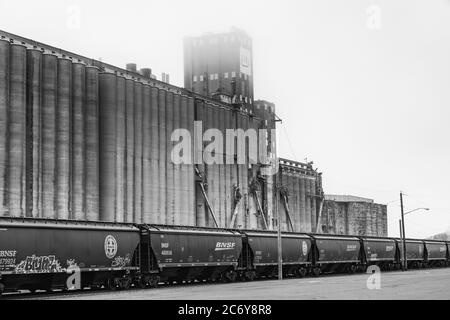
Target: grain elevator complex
(84, 140)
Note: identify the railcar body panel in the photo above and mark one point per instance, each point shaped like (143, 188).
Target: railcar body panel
(415, 250)
(296, 248)
(32, 249)
(436, 250)
(193, 253)
(336, 249)
(379, 249)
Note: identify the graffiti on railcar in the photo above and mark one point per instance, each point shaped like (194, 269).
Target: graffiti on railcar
(39, 264)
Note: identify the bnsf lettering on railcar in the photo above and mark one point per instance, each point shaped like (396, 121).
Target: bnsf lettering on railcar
(225, 246)
(8, 254)
(351, 247)
(389, 248)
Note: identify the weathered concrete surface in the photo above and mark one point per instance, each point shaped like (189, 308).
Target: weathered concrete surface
(423, 284)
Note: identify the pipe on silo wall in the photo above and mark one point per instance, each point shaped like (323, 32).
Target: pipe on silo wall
(17, 131)
(78, 141)
(49, 106)
(162, 155)
(129, 214)
(147, 195)
(92, 144)
(177, 184)
(154, 158)
(137, 152)
(120, 149)
(107, 150)
(63, 139)
(190, 167)
(4, 113)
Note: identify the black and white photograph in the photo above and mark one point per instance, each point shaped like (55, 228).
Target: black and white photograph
(224, 156)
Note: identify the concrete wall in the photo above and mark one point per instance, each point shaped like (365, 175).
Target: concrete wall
(354, 218)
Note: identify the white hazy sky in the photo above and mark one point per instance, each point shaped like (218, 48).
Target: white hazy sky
(368, 103)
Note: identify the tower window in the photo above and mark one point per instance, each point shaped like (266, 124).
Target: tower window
(233, 74)
(211, 76)
(226, 75)
(201, 78)
(195, 78)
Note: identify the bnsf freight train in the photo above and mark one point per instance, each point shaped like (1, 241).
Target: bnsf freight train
(39, 254)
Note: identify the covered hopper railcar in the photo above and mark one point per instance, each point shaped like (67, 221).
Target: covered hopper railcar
(177, 254)
(43, 254)
(262, 249)
(382, 252)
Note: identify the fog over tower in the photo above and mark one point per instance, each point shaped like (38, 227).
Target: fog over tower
(220, 63)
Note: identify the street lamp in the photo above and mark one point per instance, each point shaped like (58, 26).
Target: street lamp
(405, 263)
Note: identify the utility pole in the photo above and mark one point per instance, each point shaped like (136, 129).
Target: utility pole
(405, 262)
(280, 253)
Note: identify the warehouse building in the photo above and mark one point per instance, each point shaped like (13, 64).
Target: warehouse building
(353, 216)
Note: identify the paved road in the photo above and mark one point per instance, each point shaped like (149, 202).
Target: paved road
(420, 284)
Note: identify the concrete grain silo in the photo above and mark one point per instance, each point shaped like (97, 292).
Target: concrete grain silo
(4, 112)
(17, 131)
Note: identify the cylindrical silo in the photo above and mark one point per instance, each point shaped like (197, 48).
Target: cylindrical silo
(120, 149)
(190, 168)
(228, 194)
(303, 217)
(154, 157)
(33, 135)
(200, 205)
(92, 145)
(183, 177)
(313, 206)
(210, 168)
(49, 105)
(147, 194)
(245, 167)
(222, 169)
(78, 142)
(177, 185)
(17, 130)
(4, 108)
(170, 191)
(137, 152)
(308, 204)
(129, 215)
(162, 155)
(63, 139)
(107, 154)
(297, 210)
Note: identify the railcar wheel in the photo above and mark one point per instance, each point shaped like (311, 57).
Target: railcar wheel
(316, 271)
(125, 283)
(113, 284)
(153, 281)
(302, 272)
